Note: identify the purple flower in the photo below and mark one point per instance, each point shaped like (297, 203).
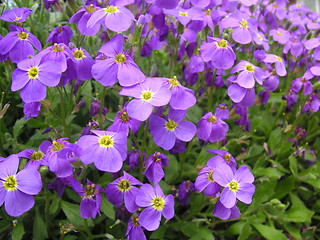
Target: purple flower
(116, 64)
(304, 82)
(107, 150)
(59, 156)
(219, 52)
(243, 96)
(165, 132)
(115, 18)
(280, 35)
(16, 14)
(58, 53)
(184, 191)
(95, 108)
(16, 189)
(248, 74)
(37, 158)
(224, 157)
(32, 76)
(154, 171)
(166, 4)
(222, 112)
(211, 128)
(279, 64)
(123, 189)
(149, 93)
(134, 230)
(19, 44)
(237, 185)
(133, 158)
(224, 213)
(82, 17)
(184, 16)
(182, 98)
(312, 104)
(91, 198)
(31, 110)
(123, 122)
(61, 34)
(157, 204)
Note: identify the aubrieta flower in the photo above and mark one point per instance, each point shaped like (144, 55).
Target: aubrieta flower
(249, 73)
(237, 185)
(149, 93)
(116, 64)
(219, 52)
(19, 43)
(58, 53)
(16, 14)
(95, 108)
(60, 154)
(222, 112)
(82, 17)
(224, 213)
(224, 157)
(62, 34)
(36, 158)
(91, 198)
(156, 204)
(32, 76)
(314, 43)
(107, 150)
(242, 27)
(31, 110)
(17, 189)
(279, 64)
(155, 162)
(245, 97)
(123, 122)
(184, 16)
(165, 132)
(211, 128)
(165, 4)
(280, 35)
(182, 98)
(115, 18)
(123, 190)
(134, 230)
(184, 191)
(133, 158)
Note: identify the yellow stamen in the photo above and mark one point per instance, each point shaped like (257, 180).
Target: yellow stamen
(10, 183)
(106, 141)
(171, 125)
(146, 95)
(33, 72)
(158, 203)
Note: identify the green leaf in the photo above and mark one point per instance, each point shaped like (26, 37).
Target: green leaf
(272, 173)
(171, 172)
(293, 165)
(107, 208)
(159, 233)
(245, 232)
(18, 127)
(18, 231)
(39, 227)
(268, 232)
(72, 211)
(298, 212)
(203, 234)
(54, 206)
(294, 231)
(190, 228)
(284, 186)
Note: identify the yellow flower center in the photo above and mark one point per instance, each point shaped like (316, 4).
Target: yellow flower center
(56, 146)
(33, 72)
(250, 68)
(279, 33)
(173, 81)
(212, 119)
(57, 48)
(244, 23)
(37, 156)
(135, 221)
(23, 35)
(106, 141)
(299, 5)
(183, 14)
(171, 125)
(17, 19)
(227, 157)
(210, 178)
(90, 8)
(90, 191)
(124, 117)
(78, 54)
(10, 183)
(111, 9)
(146, 95)
(279, 59)
(208, 12)
(222, 44)
(234, 186)
(158, 203)
(124, 185)
(120, 58)
(259, 36)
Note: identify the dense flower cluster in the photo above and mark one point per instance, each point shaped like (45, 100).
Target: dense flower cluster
(211, 39)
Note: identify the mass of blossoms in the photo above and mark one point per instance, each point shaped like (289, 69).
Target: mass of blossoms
(156, 119)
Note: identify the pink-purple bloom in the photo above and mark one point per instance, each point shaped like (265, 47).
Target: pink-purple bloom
(61, 34)
(17, 189)
(154, 171)
(156, 204)
(16, 14)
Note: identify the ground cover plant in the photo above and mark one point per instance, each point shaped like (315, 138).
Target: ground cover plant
(156, 119)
